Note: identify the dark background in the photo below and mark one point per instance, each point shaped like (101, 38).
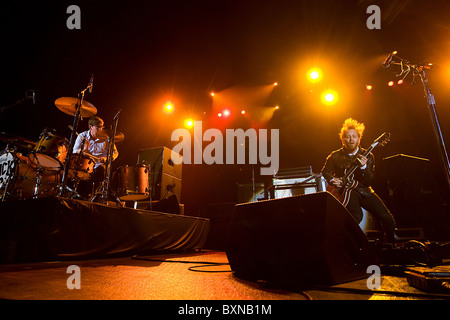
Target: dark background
(143, 53)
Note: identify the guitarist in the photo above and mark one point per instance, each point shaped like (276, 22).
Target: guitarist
(358, 186)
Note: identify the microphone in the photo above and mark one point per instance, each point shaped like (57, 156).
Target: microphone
(30, 94)
(387, 62)
(91, 83)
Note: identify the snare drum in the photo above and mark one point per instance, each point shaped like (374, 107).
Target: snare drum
(50, 152)
(81, 166)
(24, 180)
(133, 182)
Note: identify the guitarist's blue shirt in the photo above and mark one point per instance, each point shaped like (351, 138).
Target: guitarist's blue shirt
(339, 161)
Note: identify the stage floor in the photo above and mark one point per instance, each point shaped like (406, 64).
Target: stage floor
(196, 275)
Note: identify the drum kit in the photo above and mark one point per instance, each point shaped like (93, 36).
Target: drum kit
(48, 167)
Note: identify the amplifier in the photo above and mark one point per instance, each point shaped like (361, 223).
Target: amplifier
(165, 174)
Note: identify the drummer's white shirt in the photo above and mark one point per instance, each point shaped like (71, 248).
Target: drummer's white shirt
(95, 147)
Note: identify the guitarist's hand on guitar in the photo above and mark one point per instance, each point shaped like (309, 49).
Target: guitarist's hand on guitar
(361, 160)
(337, 182)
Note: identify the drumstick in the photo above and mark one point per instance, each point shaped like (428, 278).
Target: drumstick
(92, 156)
(71, 129)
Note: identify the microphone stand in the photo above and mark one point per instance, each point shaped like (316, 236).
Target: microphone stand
(406, 67)
(76, 120)
(104, 194)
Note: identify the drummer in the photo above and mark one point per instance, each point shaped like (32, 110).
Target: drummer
(88, 142)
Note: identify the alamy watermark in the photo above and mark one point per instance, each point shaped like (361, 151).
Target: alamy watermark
(213, 153)
(74, 20)
(74, 280)
(374, 20)
(374, 280)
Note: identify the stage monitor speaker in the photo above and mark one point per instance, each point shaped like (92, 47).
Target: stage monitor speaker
(165, 175)
(298, 242)
(413, 199)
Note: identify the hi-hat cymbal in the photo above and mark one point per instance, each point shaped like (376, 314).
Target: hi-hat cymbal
(68, 105)
(106, 133)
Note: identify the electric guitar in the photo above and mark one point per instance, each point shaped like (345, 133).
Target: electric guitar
(348, 181)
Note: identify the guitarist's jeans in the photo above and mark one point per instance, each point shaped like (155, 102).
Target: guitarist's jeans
(373, 204)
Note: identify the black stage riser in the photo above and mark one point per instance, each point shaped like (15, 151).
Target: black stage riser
(298, 241)
(58, 228)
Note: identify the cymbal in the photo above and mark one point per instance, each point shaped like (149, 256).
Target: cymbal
(106, 133)
(17, 140)
(68, 105)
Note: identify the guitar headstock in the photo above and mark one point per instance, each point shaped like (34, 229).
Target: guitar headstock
(382, 140)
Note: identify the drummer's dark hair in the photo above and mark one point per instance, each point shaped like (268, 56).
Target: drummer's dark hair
(95, 121)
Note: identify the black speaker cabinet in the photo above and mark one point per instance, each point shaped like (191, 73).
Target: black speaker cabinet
(297, 242)
(414, 198)
(165, 174)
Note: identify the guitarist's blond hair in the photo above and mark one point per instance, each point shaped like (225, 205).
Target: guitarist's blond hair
(352, 124)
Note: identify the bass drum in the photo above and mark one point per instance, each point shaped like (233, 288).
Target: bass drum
(133, 182)
(21, 179)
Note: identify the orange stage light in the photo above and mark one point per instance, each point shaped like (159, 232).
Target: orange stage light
(188, 123)
(314, 75)
(168, 107)
(329, 97)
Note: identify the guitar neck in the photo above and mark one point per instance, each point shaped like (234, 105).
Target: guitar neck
(355, 166)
